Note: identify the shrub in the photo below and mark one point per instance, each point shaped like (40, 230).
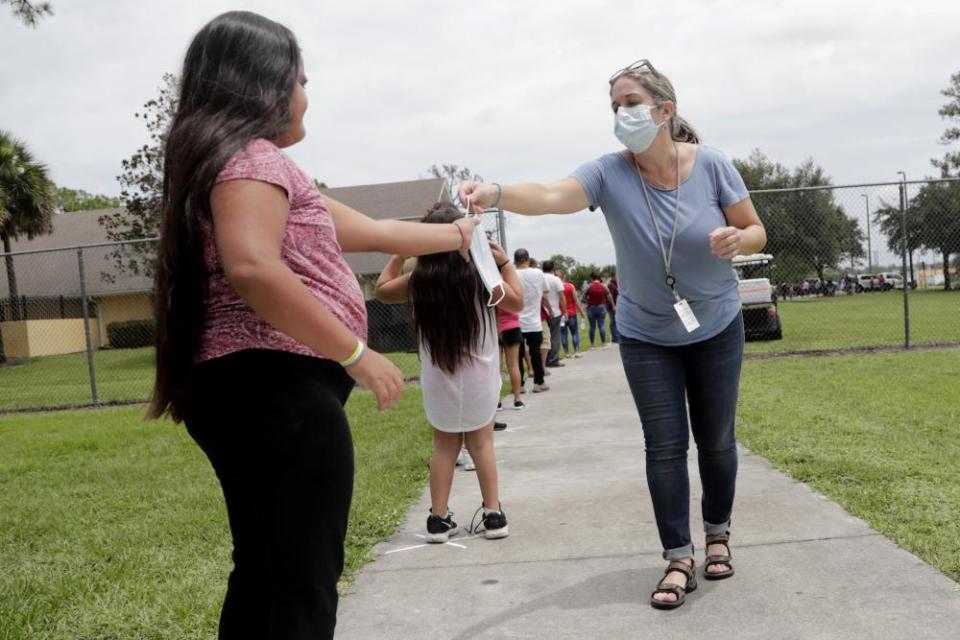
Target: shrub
(131, 334)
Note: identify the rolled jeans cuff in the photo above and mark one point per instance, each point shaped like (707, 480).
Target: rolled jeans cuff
(716, 529)
(679, 553)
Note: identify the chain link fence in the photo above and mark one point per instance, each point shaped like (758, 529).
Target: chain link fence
(76, 324)
(846, 268)
(862, 266)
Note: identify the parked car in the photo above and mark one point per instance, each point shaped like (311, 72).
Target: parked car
(866, 282)
(891, 280)
(758, 298)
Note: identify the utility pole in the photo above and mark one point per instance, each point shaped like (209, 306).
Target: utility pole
(869, 248)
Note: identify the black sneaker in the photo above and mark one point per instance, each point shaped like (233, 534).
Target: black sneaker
(499, 426)
(440, 529)
(518, 405)
(492, 524)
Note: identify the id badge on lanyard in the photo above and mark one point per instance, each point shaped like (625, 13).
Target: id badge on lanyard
(682, 307)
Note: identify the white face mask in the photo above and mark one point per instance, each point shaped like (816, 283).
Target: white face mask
(486, 265)
(635, 128)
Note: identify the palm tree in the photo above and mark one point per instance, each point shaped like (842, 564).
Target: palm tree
(27, 204)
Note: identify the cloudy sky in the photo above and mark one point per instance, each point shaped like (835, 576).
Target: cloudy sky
(513, 89)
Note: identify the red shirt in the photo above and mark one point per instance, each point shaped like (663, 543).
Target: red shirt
(596, 294)
(570, 293)
(507, 320)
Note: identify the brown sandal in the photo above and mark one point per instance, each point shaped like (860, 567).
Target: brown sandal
(724, 539)
(678, 566)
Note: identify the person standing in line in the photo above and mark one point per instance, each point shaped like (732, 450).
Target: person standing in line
(555, 312)
(614, 290)
(534, 297)
(261, 324)
(598, 300)
(678, 212)
(459, 369)
(509, 324)
(570, 325)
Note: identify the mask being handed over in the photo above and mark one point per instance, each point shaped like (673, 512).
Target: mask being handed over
(635, 128)
(486, 265)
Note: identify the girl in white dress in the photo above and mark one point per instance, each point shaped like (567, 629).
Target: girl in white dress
(460, 368)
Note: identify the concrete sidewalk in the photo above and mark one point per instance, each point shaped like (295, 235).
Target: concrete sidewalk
(583, 554)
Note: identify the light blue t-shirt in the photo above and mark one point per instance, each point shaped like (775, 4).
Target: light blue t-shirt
(645, 307)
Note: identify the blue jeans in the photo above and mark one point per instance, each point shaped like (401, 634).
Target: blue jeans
(597, 315)
(570, 325)
(614, 335)
(665, 380)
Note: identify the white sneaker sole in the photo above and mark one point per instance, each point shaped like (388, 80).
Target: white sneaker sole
(496, 534)
(441, 537)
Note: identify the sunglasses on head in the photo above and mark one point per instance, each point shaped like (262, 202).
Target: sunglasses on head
(642, 63)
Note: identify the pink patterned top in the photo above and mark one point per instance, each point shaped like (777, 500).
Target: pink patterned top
(310, 249)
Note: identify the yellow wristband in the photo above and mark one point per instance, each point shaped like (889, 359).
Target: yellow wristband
(355, 356)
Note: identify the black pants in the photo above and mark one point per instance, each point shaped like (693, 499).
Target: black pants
(273, 426)
(553, 356)
(532, 341)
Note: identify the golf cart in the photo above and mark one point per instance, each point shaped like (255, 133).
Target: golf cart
(761, 319)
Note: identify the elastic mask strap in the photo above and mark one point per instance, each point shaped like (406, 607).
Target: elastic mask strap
(503, 294)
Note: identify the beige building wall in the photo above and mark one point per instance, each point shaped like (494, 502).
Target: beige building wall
(34, 338)
(130, 306)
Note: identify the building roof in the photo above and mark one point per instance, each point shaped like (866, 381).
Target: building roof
(56, 273)
(393, 200)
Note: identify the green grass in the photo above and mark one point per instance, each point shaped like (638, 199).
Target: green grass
(115, 528)
(877, 433)
(123, 375)
(865, 320)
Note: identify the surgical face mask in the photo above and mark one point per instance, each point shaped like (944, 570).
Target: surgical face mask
(486, 265)
(635, 128)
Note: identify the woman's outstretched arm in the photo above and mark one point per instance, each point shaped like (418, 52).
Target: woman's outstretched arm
(359, 232)
(527, 198)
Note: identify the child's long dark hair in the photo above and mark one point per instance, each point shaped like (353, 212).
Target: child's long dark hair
(449, 301)
(238, 78)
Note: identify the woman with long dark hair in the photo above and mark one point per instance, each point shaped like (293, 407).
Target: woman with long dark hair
(261, 324)
(459, 368)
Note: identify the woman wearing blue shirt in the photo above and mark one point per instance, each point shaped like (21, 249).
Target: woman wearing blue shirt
(678, 212)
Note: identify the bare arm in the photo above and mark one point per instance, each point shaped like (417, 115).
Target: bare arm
(358, 232)
(583, 312)
(528, 198)
(249, 221)
(513, 290)
(393, 286)
(744, 235)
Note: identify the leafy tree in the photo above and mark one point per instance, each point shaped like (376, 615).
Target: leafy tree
(938, 206)
(452, 176)
(933, 223)
(563, 263)
(141, 188)
(27, 204)
(29, 13)
(949, 165)
(79, 200)
(807, 231)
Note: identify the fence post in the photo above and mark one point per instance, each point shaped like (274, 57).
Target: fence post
(903, 260)
(86, 329)
(501, 227)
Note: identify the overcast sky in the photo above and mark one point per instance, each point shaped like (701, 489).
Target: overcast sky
(513, 89)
